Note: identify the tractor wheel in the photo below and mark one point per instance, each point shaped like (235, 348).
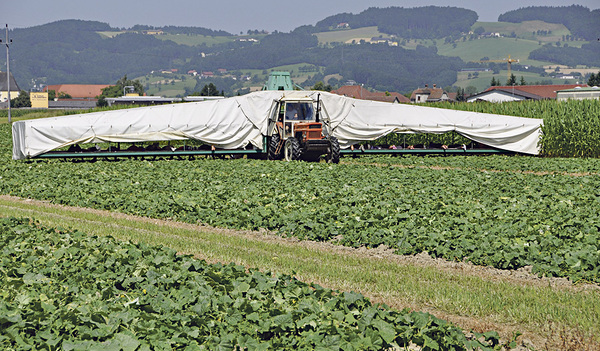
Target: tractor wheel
(334, 150)
(292, 150)
(272, 153)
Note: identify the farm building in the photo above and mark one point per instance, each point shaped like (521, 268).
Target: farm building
(78, 91)
(521, 92)
(578, 93)
(14, 87)
(428, 94)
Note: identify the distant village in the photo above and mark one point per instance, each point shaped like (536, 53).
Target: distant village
(81, 96)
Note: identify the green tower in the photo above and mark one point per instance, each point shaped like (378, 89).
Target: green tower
(279, 80)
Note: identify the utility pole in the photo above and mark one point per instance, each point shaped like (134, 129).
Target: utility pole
(7, 42)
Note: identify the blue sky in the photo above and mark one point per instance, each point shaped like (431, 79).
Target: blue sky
(229, 15)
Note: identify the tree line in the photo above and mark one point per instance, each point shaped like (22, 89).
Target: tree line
(578, 19)
(429, 22)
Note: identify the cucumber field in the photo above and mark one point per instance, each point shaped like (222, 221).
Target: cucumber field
(506, 213)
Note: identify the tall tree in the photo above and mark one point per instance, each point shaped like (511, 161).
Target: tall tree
(594, 80)
(512, 80)
(523, 82)
(321, 86)
(21, 101)
(460, 94)
(470, 90)
(210, 90)
(119, 89)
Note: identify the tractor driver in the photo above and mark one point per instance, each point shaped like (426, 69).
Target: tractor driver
(291, 112)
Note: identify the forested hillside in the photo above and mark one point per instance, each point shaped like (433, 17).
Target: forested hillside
(428, 22)
(588, 54)
(380, 66)
(72, 51)
(582, 22)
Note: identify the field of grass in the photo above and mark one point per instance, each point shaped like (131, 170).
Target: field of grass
(167, 86)
(525, 30)
(110, 34)
(348, 35)
(195, 40)
(78, 291)
(493, 49)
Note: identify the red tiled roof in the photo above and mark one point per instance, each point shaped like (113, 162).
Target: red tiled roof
(78, 90)
(353, 91)
(358, 92)
(433, 93)
(543, 91)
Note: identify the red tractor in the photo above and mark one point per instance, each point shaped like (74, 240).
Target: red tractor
(296, 133)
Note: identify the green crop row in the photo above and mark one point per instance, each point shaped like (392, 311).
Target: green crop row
(510, 163)
(70, 291)
(503, 219)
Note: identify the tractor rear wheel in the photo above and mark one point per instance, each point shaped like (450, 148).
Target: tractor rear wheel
(334, 150)
(272, 152)
(292, 150)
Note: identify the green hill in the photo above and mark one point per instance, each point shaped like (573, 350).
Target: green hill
(349, 35)
(493, 49)
(533, 30)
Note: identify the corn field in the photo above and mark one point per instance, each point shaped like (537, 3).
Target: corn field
(571, 128)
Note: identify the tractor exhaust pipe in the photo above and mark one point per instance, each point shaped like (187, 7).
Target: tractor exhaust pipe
(318, 114)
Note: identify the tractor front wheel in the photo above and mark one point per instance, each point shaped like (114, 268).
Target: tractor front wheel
(292, 150)
(334, 150)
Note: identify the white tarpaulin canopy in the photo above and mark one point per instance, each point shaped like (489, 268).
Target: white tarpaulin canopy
(235, 122)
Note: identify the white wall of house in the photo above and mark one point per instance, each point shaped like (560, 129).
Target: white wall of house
(578, 95)
(4, 95)
(421, 98)
(496, 97)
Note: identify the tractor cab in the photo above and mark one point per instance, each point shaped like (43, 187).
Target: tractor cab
(298, 119)
(298, 133)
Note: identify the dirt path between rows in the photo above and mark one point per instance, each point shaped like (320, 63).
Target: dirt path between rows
(522, 276)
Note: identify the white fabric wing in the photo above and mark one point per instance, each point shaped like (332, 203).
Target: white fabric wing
(369, 120)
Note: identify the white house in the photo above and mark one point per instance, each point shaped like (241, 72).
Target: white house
(14, 87)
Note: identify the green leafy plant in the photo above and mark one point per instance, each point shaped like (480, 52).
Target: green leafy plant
(65, 290)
